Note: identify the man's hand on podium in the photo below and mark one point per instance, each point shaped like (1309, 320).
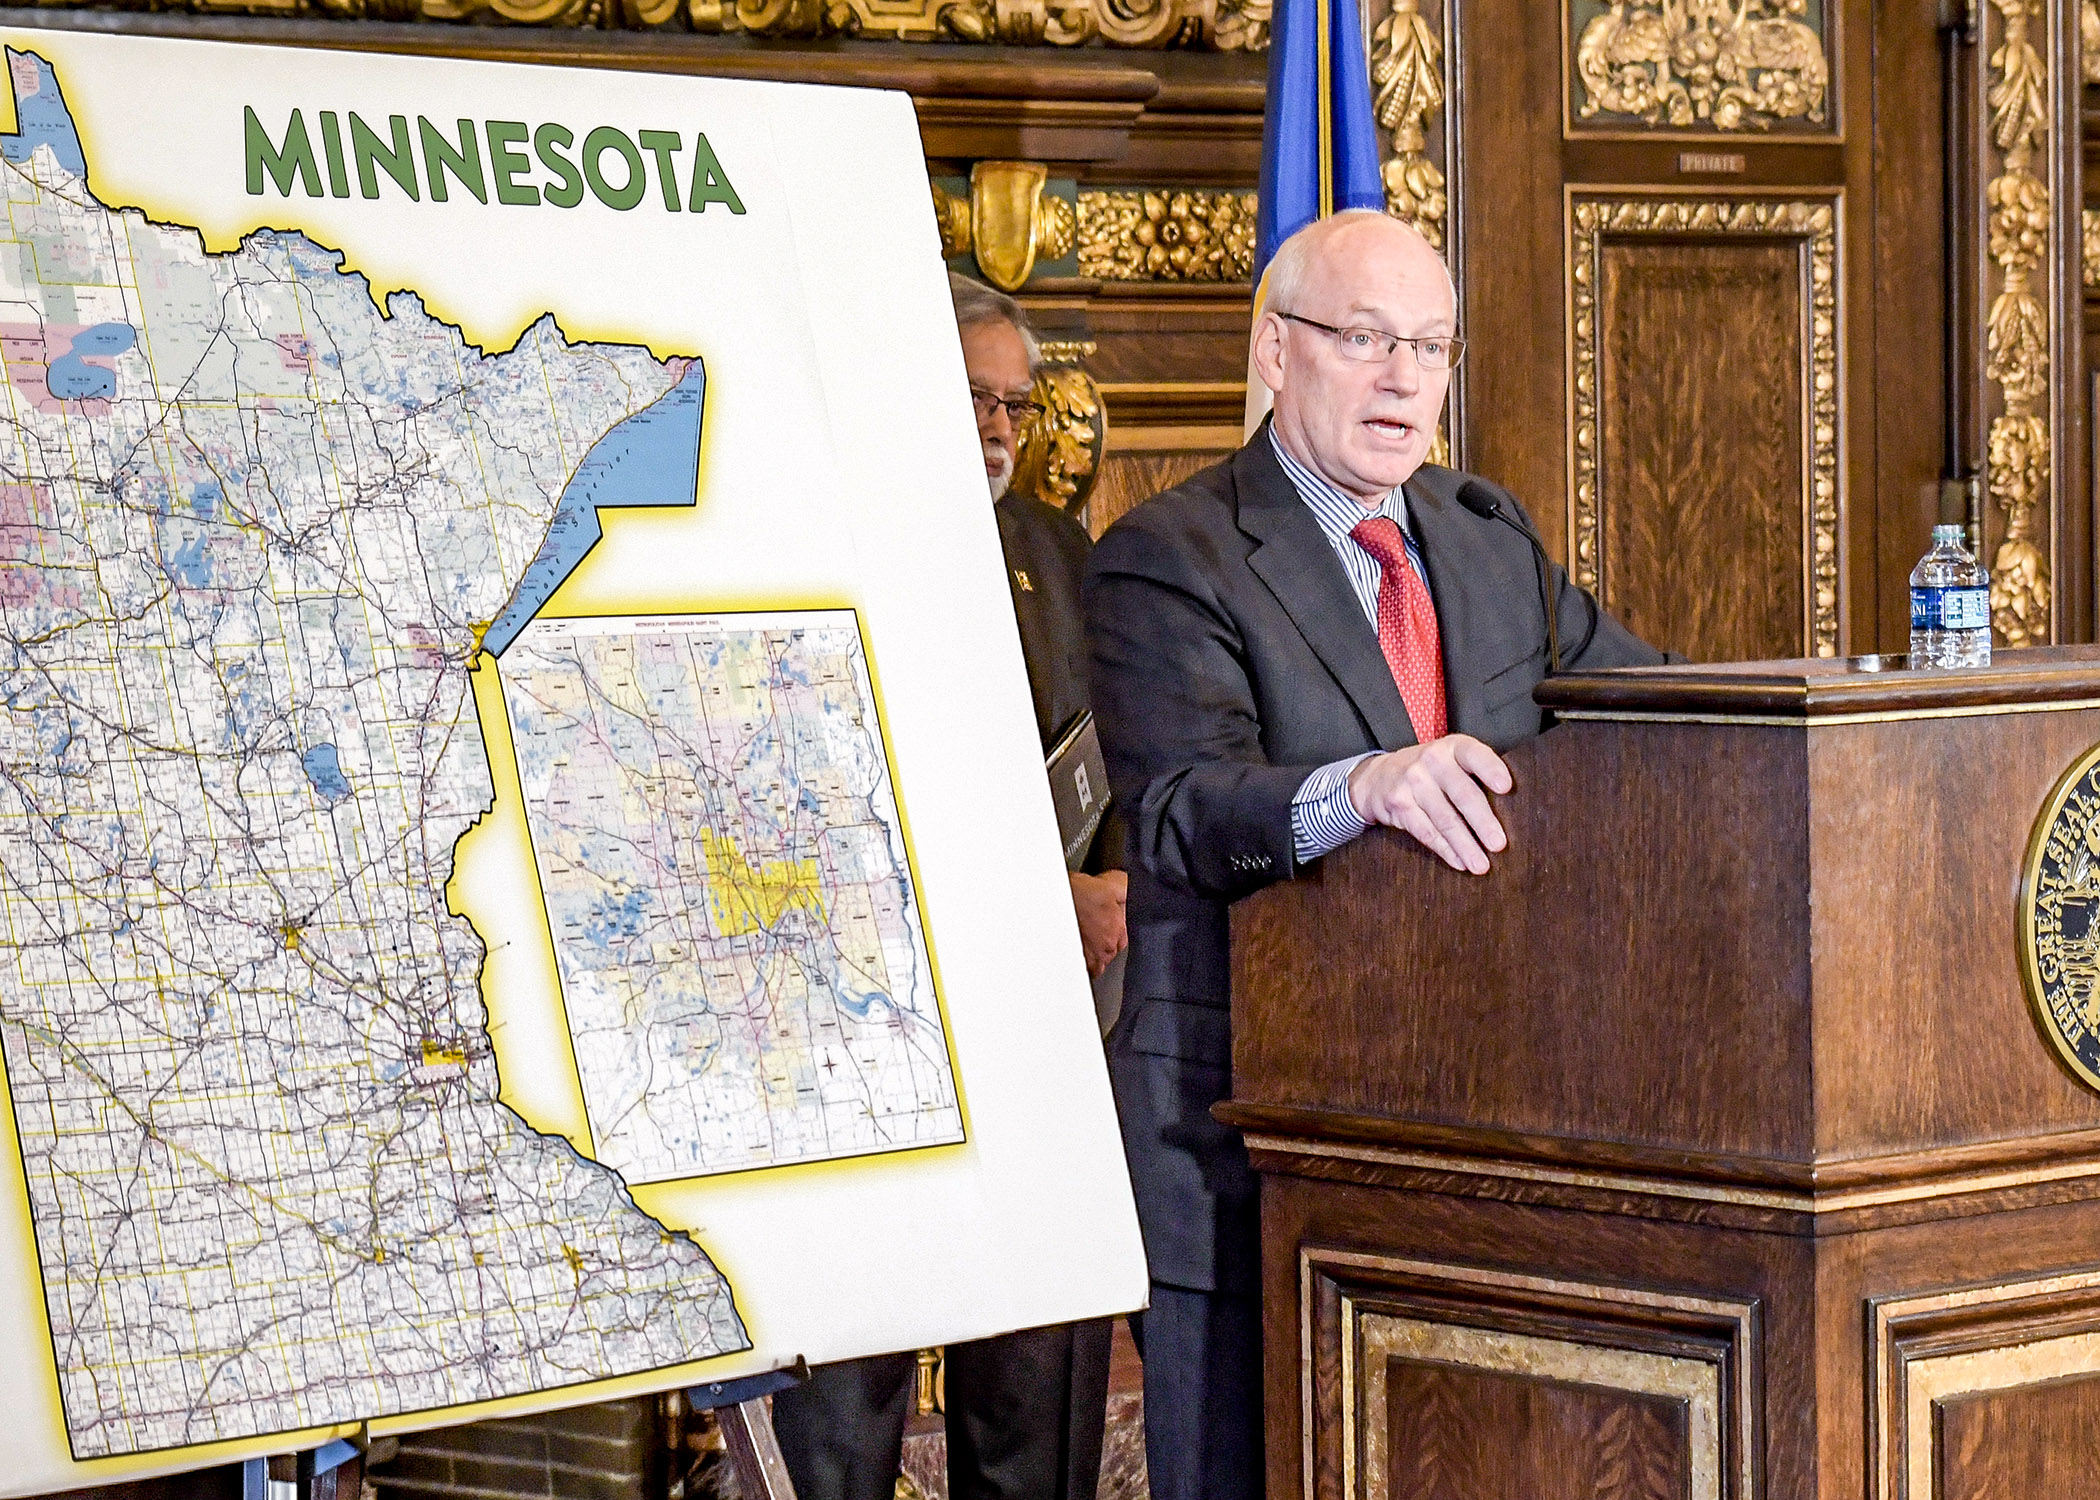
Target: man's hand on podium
(1433, 792)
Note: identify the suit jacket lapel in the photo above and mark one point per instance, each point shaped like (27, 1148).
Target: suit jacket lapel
(1446, 533)
(1299, 567)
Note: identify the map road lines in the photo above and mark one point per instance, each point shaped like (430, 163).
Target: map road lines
(250, 530)
(742, 959)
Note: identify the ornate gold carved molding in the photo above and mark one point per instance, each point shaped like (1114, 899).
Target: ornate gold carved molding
(1068, 351)
(2089, 258)
(1222, 25)
(1010, 221)
(2089, 39)
(1058, 456)
(1013, 220)
(1811, 222)
(2019, 462)
(1407, 80)
(1723, 65)
(952, 214)
(1165, 235)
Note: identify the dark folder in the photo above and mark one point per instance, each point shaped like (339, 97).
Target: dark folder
(1078, 787)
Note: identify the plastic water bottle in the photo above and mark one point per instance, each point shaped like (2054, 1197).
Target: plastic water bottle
(1950, 606)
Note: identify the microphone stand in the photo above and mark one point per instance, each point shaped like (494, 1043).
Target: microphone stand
(1485, 503)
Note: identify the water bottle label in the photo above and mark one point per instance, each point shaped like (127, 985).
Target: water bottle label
(1968, 609)
(1950, 609)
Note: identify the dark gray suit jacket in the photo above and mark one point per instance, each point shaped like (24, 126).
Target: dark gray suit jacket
(1230, 659)
(1046, 552)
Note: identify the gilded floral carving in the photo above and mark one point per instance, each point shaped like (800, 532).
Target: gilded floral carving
(1716, 64)
(1058, 456)
(2016, 331)
(1407, 82)
(1165, 235)
(1220, 25)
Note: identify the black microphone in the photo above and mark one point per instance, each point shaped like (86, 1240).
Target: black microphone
(1482, 500)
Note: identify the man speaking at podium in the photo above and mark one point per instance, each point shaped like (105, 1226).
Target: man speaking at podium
(1316, 635)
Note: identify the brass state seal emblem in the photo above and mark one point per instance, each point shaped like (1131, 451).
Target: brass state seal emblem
(2060, 918)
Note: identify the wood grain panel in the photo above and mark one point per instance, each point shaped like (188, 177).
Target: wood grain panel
(1701, 469)
(1506, 76)
(1896, 206)
(1458, 1434)
(1941, 974)
(1702, 938)
(1129, 479)
(1164, 330)
(1635, 968)
(2032, 1440)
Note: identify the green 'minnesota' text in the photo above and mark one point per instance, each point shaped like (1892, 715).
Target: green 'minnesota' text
(521, 164)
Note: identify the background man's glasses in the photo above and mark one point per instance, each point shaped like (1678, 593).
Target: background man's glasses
(1374, 346)
(1018, 410)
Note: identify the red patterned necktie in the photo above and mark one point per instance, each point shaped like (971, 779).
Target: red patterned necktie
(1407, 631)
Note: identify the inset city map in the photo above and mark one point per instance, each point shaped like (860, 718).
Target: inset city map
(734, 919)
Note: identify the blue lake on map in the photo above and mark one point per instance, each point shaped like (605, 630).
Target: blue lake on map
(42, 119)
(326, 773)
(72, 378)
(188, 563)
(652, 458)
(612, 922)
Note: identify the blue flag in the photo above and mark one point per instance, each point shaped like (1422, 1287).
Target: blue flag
(1319, 148)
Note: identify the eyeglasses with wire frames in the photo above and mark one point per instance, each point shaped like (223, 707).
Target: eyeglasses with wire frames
(1018, 410)
(1374, 346)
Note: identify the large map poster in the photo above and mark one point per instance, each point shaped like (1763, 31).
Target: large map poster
(524, 872)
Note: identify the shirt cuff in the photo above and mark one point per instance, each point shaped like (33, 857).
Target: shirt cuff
(1322, 816)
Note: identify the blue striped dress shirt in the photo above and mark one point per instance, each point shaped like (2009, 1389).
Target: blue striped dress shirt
(1322, 816)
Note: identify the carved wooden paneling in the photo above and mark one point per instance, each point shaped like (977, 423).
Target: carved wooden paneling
(1987, 1390)
(1465, 1382)
(1706, 446)
(2033, 1440)
(1700, 461)
(1223, 25)
(1410, 100)
(1461, 1434)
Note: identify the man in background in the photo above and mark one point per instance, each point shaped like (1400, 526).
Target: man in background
(1318, 634)
(1025, 1411)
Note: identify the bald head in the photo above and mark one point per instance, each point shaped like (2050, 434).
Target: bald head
(1365, 426)
(1296, 257)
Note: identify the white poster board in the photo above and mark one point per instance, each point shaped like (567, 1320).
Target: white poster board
(526, 868)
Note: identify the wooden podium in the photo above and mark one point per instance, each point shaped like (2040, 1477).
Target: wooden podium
(1707, 1147)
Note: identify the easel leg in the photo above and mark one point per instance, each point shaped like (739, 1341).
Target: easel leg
(747, 1428)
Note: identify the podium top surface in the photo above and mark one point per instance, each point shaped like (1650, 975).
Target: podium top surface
(1831, 689)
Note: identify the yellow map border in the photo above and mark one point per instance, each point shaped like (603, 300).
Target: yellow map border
(669, 1200)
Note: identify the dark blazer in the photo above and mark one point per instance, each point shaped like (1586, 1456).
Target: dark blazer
(1046, 553)
(1231, 659)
